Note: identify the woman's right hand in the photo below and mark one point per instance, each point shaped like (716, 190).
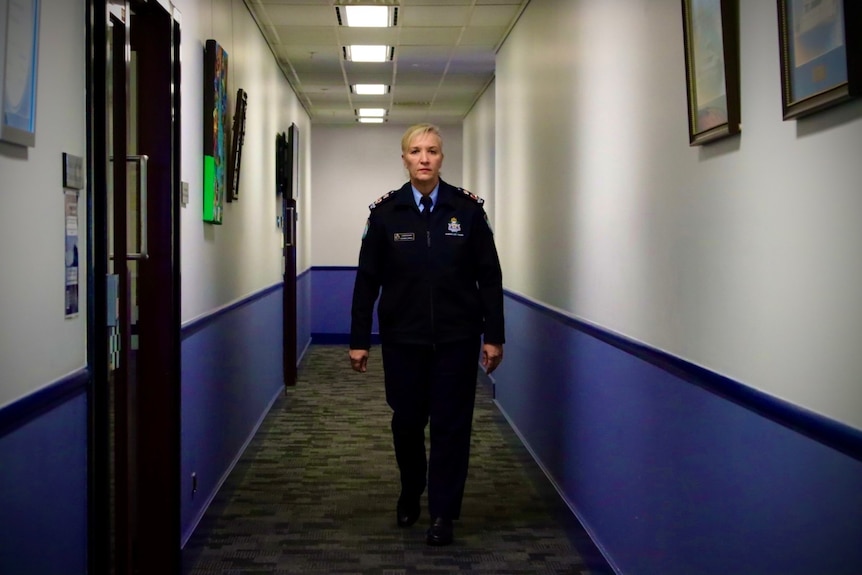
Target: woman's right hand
(359, 359)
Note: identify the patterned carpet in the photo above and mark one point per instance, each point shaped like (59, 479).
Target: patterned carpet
(315, 493)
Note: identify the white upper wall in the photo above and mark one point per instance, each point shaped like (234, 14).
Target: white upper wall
(219, 264)
(37, 344)
(225, 263)
(739, 256)
(351, 167)
(479, 149)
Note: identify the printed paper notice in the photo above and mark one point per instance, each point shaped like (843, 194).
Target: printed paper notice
(71, 200)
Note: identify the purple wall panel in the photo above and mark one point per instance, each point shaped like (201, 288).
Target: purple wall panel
(231, 372)
(331, 300)
(667, 476)
(303, 313)
(43, 490)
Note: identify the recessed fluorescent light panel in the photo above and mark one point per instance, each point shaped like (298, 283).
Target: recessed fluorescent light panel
(359, 53)
(368, 16)
(370, 89)
(370, 120)
(372, 112)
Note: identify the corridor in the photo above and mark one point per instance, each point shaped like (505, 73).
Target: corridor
(315, 493)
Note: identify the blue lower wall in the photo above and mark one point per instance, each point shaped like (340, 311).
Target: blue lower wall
(669, 474)
(672, 469)
(331, 299)
(666, 474)
(43, 481)
(304, 310)
(231, 374)
(330, 304)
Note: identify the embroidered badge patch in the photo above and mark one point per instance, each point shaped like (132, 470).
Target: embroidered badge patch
(404, 237)
(454, 228)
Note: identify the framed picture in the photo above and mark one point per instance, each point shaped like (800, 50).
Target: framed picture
(821, 54)
(215, 138)
(19, 58)
(237, 138)
(711, 38)
(280, 163)
(291, 185)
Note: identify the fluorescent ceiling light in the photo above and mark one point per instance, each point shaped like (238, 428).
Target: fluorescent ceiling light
(367, 16)
(370, 120)
(373, 89)
(372, 112)
(358, 53)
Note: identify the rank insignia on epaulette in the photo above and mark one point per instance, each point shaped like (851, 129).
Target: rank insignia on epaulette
(472, 196)
(381, 199)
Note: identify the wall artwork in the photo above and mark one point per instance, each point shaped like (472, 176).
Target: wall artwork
(237, 138)
(215, 137)
(291, 185)
(281, 163)
(711, 37)
(19, 50)
(821, 54)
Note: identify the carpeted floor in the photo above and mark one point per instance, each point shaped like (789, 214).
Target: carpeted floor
(315, 493)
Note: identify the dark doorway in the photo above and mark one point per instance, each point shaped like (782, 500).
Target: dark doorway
(134, 333)
(289, 217)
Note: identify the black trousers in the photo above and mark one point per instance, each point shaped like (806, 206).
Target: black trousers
(436, 383)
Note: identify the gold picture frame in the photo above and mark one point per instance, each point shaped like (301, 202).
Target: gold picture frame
(821, 54)
(711, 39)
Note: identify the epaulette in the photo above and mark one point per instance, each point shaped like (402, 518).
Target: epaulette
(381, 199)
(472, 196)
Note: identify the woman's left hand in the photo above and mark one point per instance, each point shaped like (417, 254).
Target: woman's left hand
(492, 355)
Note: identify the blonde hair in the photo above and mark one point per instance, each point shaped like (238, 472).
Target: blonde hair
(418, 130)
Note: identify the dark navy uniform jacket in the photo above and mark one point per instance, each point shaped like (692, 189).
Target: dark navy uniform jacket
(438, 282)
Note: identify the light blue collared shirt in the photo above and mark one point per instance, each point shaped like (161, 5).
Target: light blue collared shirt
(417, 197)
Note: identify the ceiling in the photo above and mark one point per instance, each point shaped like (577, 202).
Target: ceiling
(444, 53)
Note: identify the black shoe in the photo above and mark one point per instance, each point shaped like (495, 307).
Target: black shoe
(407, 512)
(440, 533)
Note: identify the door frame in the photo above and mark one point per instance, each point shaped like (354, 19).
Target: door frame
(290, 193)
(100, 558)
(148, 540)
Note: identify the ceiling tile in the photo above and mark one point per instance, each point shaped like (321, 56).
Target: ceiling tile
(284, 15)
(488, 36)
(444, 55)
(500, 16)
(429, 36)
(433, 16)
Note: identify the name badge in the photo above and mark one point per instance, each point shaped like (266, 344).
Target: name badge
(405, 237)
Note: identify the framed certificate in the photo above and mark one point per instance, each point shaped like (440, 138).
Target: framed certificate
(19, 50)
(820, 54)
(711, 37)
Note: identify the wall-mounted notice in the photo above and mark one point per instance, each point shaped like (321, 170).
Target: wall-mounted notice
(73, 172)
(71, 203)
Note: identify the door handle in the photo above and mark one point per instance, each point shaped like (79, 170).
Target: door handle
(291, 233)
(141, 163)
